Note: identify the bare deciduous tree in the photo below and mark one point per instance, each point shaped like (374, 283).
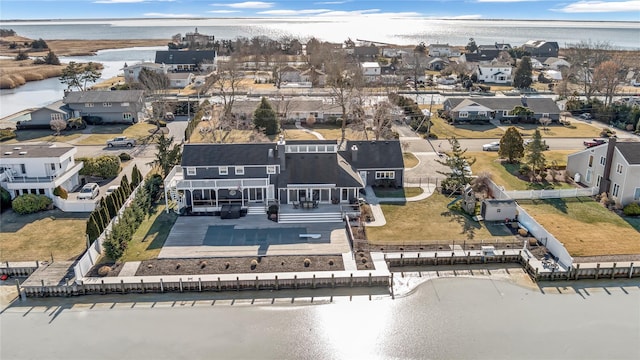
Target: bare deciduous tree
(58, 125)
(607, 78)
(226, 83)
(344, 81)
(382, 120)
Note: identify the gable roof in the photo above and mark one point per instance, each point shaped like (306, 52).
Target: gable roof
(313, 168)
(470, 105)
(184, 56)
(33, 151)
(228, 154)
(375, 154)
(537, 104)
(102, 96)
(630, 151)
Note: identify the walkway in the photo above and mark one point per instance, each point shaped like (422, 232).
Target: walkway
(374, 201)
(314, 133)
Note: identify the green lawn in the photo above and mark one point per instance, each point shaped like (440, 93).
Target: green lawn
(430, 221)
(501, 172)
(43, 136)
(585, 227)
(410, 160)
(101, 133)
(397, 193)
(150, 236)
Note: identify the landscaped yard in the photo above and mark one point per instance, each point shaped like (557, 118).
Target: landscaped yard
(410, 160)
(397, 193)
(430, 221)
(39, 236)
(150, 236)
(502, 172)
(585, 227)
(43, 135)
(101, 133)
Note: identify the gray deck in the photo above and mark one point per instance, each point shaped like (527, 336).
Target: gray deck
(51, 274)
(252, 235)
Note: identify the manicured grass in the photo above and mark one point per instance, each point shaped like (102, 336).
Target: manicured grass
(38, 236)
(43, 136)
(430, 221)
(502, 172)
(410, 160)
(334, 132)
(576, 130)
(585, 227)
(101, 133)
(397, 193)
(150, 236)
(296, 134)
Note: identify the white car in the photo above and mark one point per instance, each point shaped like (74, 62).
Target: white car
(89, 191)
(494, 146)
(111, 189)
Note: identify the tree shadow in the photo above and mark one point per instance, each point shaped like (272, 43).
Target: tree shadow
(159, 230)
(467, 224)
(558, 204)
(11, 221)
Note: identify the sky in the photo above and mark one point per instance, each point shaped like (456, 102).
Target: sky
(596, 10)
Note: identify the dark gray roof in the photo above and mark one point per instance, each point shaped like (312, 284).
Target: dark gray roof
(76, 97)
(538, 105)
(313, 168)
(184, 57)
(33, 151)
(630, 150)
(375, 154)
(228, 154)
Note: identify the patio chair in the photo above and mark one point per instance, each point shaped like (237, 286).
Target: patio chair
(315, 204)
(295, 204)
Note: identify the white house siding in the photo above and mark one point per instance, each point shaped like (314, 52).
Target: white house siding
(628, 180)
(579, 163)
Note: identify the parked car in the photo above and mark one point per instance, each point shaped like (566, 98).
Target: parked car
(529, 141)
(89, 191)
(111, 189)
(121, 141)
(494, 146)
(594, 142)
(585, 116)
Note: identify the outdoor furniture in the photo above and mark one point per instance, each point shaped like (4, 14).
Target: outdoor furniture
(307, 204)
(295, 204)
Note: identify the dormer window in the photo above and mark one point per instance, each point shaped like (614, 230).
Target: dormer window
(223, 170)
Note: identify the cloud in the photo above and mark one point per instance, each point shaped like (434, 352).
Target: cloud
(601, 7)
(464, 17)
(223, 11)
(293, 12)
(128, 1)
(330, 2)
(248, 5)
(503, 1)
(168, 15)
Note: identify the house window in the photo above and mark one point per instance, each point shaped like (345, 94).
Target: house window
(482, 113)
(271, 169)
(587, 178)
(88, 105)
(127, 116)
(598, 180)
(239, 170)
(505, 112)
(124, 104)
(57, 116)
(23, 168)
(636, 194)
(223, 170)
(41, 191)
(463, 114)
(603, 160)
(385, 174)
(191, 171)
(545, 115)
(107, 104)
(616, 189)
(619, 168)
(590, 160)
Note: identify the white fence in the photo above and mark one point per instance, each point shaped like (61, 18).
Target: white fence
(74, 205)
(91, 256)
(550, 194)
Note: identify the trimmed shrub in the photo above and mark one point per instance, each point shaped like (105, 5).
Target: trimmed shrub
(523, 232)
(30, 203)
(104, 270)
(307, 262)
(632, 209)
(331, 262)
(124, 156)
(105, 166)
(254, 263)
(5, 199)
(61, 192)
(7, 134)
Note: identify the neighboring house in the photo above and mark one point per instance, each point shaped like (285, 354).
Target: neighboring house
(291, 109)
(286, 172)
(366, 53)
(437, 64)
(443, 50)
(613, 168)
(41, 118)
(555, 63)
(290, 74)
(313, 76)
(541, 48)
(494, 73)
(132, 72)
(187, 60)
(180, 80)
(371, 71)
(195, 40)
(492, 51)
(536, 64)
(38, 169)
(483, 109)
(118, 106)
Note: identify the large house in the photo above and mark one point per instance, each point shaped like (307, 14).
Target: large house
(119, 106)
(38, 169)
(613, 168)
(132, 72)
(285, 173)
(483, 109)
(187, 60)
(371, 71)
(494, 73)
(443, 50)
(41, 118)
(541, 48)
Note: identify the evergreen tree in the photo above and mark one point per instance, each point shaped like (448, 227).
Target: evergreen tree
(22, 56)
(111, 206)
(535, 156)
(522, 76)
(265, 119)
(167, 156)
(511, 146)
(92, 229)
(124, 183)
(136, 176)
(460, 165)
(51, 59)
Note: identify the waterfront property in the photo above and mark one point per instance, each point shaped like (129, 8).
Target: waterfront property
(40, 118)
(121, 106)
(305, 174)
(485, 109)
(614, 168)
(38, 169)
(187, 60)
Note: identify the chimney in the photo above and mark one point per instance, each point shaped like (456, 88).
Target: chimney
(354, 153)
(281, 152)
(605, 183)
(270, 154)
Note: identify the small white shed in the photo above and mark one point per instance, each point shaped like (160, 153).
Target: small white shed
(498, 210)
